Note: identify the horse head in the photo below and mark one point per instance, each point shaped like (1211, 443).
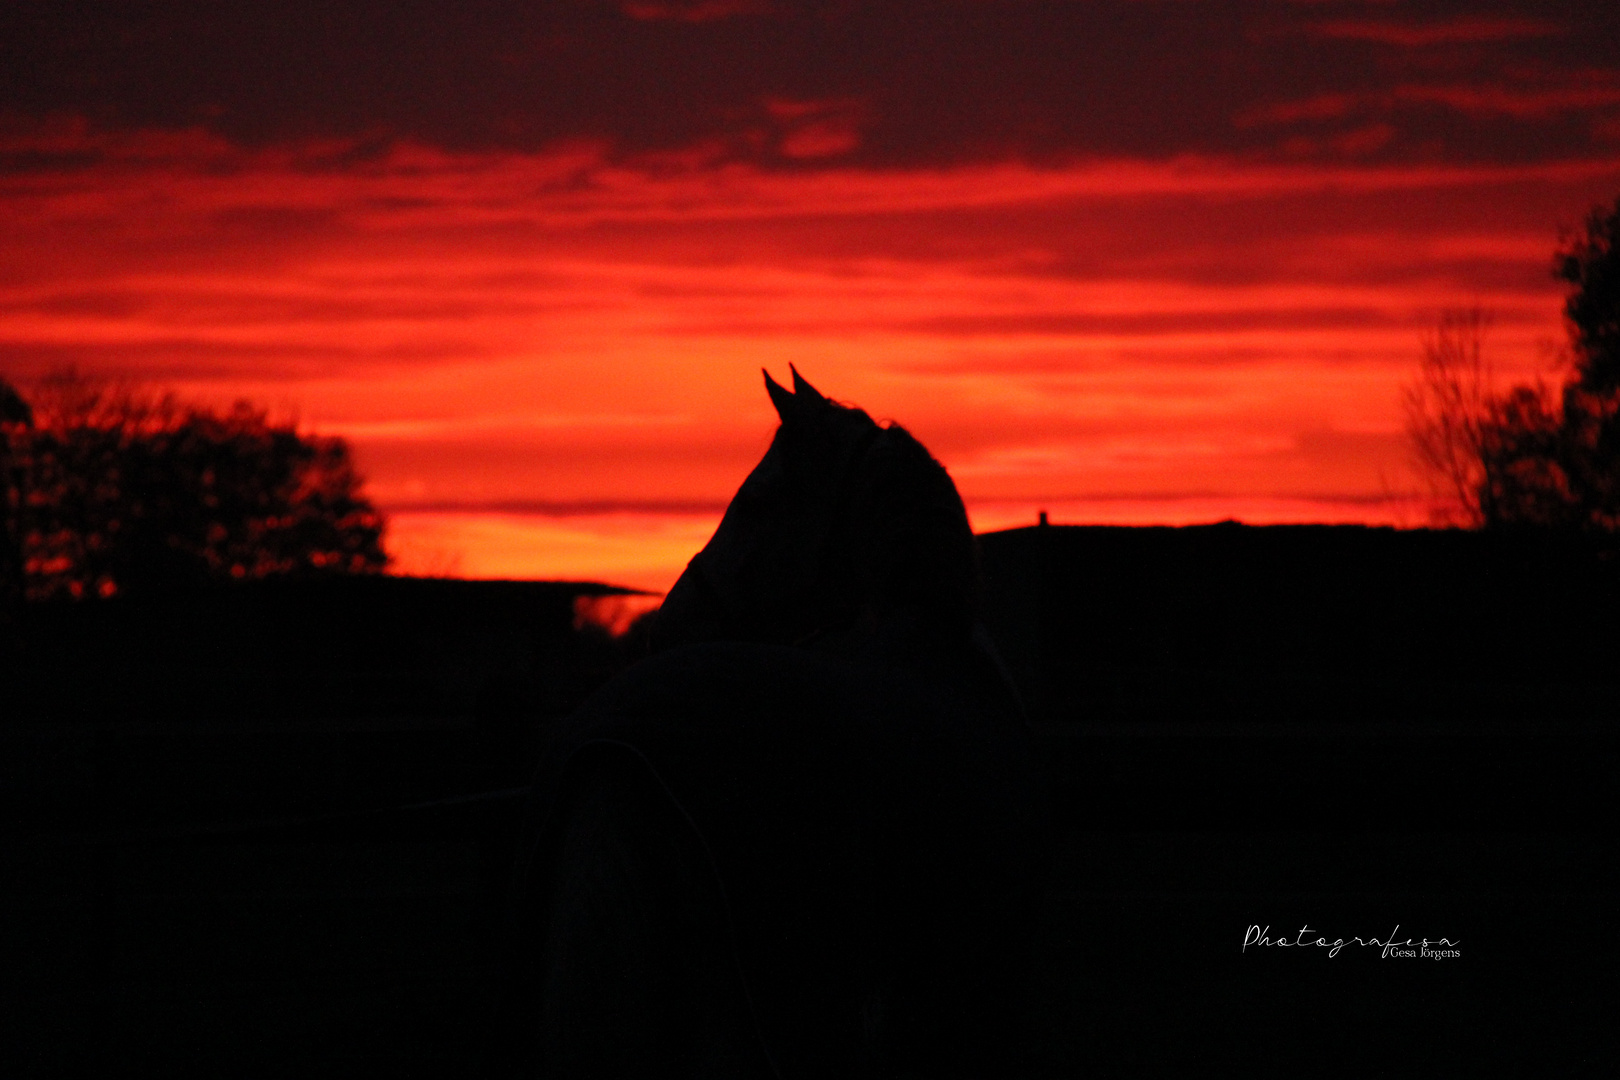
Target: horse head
(842, 519)
(814, 827)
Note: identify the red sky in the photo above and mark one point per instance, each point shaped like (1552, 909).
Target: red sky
(1131, 262)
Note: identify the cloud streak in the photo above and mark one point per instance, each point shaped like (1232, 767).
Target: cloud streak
(613, 351)
(941, 84)
(1462, 30)
(1132, 258)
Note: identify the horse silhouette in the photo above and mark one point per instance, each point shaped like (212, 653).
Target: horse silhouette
(799, 839)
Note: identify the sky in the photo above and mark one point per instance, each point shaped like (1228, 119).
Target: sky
(1132, 261)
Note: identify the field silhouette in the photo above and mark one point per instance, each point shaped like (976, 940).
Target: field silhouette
(261, 831)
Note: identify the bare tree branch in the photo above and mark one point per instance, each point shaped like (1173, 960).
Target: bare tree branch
(1448, 410)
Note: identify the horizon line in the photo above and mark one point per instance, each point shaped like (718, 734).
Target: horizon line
(695, 507)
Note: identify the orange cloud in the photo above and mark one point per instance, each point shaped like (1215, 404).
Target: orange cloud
(534, 351)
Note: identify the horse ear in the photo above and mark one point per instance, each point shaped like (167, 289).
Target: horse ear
(804, 390)
(783, 399)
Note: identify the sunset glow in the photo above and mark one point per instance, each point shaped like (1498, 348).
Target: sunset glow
(547, 356)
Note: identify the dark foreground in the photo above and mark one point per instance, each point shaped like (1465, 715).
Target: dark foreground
(1347, 730)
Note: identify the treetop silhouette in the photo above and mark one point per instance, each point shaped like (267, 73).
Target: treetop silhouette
(1591, 264)
(112, 490)
(1529, 458)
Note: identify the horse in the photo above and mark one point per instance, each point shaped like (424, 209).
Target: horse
(802, 838)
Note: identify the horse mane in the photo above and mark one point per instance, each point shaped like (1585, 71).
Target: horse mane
(905, 543)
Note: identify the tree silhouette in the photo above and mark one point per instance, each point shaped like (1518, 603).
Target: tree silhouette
(1522, 454)
(120, 491)
(1528, 458)
(1590, 262)
(1447, 409)
(15, 418)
